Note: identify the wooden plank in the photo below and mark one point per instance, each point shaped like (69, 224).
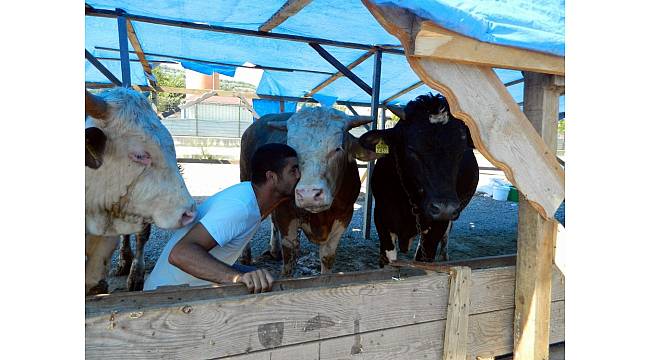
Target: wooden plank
(555, 352)
(402, 92)
(501, 132)
(290, 8)
(248, 106)
(536, 235)
(170, 295)
(490, 335)
(187, 104)
(135, 43)
(332, 78)
(235, 325)
(455, 345)
(434, 41)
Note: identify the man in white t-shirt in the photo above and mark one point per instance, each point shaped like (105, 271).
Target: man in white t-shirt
(204, 252)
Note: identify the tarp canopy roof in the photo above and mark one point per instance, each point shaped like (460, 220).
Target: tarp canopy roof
(536, 26)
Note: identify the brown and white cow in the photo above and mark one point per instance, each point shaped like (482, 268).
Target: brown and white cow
(329, 183)
(133, 179)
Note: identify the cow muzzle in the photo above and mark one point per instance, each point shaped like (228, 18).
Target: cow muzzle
(443, 210)
(312, 198)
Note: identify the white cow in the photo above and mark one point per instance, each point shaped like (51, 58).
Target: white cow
(134, 180)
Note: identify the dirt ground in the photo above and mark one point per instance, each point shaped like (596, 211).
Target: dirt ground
(487, 227)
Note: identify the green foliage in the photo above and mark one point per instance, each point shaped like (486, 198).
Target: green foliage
(560, 127)
(239, 86)
(169, 77)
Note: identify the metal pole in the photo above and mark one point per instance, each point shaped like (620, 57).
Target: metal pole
(374, 110)
(383, 117)
(124, 50)
(392, 49)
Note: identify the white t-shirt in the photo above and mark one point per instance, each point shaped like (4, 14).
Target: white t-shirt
(231, 216)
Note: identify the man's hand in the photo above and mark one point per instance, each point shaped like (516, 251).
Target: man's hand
(256, 281)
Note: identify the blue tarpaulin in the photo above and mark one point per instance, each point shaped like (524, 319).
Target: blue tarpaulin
(535, 25)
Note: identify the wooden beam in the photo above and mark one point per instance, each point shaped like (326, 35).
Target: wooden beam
(276, 321)
(341, 68)
(248, 106)
(501, 132)
(434, 41)
(455, 347)
(290, 8)
(536, 235)
(135, 43)
(332, 78)
(402, 92)
(187, 104)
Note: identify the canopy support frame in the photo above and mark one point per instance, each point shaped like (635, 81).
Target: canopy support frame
(342, 68)
(102, 69)
(374, 111)
(124, 49)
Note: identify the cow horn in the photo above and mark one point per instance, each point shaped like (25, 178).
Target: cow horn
(278, 125)
(96, 106)
(355, 121)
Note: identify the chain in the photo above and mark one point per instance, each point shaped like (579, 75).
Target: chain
(414, 208)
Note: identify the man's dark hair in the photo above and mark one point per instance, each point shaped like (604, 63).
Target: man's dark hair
(270, 157)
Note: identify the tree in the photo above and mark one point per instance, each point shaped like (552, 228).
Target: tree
(169, 77)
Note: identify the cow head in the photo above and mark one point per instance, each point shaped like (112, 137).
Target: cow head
(138, 180)
(428, 146)
(320, 137)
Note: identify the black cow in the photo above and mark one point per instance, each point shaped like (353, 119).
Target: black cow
(428, 177)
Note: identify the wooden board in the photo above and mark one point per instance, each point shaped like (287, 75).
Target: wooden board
(455, 347)
(237, 325)
(536, 235)
(426, 39)
(501, 132)
(490, 335)
(290, 8)
(434, 41)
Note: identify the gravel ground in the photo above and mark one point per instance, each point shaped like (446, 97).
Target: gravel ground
(485, 228)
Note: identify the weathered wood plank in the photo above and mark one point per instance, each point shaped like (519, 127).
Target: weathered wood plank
(455, 345)
(501, 132)
(290, 8)
(236, 325)
(402, 92)
(490, 335)
(434, 41)
(138, 301)
(536, 235)
(248, 106)
(339, 74)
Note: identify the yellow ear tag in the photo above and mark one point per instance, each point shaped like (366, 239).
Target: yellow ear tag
(381, 147)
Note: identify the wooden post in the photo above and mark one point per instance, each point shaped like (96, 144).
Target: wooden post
(455, 347)
(536, 235)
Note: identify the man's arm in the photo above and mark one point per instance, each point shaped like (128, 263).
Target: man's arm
(191, 254)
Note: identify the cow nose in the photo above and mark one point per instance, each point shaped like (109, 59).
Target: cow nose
(187, 217)
(449, 210)
(312, 195)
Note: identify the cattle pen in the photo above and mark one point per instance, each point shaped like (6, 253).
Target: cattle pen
(471, 309)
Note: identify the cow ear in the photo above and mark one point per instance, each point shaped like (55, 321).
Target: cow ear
(95, 145)
(357, 151)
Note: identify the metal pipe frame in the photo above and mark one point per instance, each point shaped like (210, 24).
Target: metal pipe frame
(376, 80)
(341, 68)
(90, 11)
(262, 67)
(124, 50)
(109, 75)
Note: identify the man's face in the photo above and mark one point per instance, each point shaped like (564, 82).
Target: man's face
(289, 177)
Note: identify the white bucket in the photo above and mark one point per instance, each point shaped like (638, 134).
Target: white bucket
(500, 192)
